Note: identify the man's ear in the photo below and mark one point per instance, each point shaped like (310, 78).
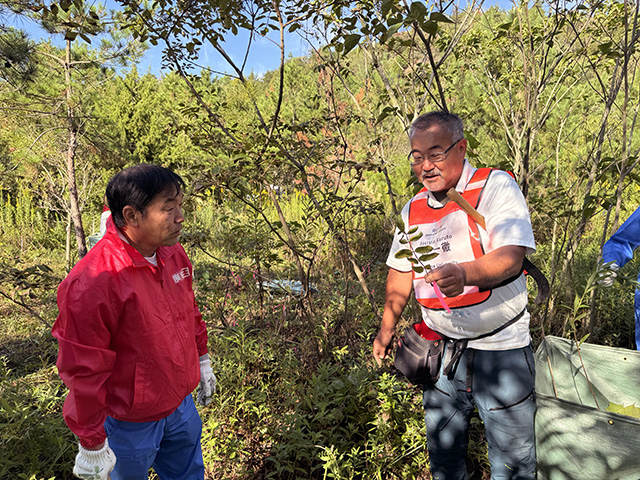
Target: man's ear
(131, 216)
(463, 145)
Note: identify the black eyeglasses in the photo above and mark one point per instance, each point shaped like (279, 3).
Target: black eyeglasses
(434, 157)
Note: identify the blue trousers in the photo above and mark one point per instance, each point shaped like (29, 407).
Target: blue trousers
(170, 445)
(500, 384)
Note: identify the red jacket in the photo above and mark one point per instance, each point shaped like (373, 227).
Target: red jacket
(129, 336)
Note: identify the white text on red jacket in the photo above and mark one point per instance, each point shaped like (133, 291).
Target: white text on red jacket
(181, 275)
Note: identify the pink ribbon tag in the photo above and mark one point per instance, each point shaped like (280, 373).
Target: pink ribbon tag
(440, 296)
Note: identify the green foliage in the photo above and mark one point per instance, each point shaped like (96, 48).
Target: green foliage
(16, 57)
(23, 223)
(351, 423)
(579, 310)
(340, 419)
(298, 398)
(416, 255)
(36, 442)
(29, 279)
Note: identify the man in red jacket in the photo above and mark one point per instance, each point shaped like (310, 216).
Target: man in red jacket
(132, 343)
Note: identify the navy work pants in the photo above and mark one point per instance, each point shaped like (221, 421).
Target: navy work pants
(500, 384)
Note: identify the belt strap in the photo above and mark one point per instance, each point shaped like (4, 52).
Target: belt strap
(454, 351)
(457, 346)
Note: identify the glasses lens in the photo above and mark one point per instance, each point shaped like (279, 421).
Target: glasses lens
(415, 159)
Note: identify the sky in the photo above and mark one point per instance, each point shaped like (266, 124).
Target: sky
(263, 57)
(264, 54)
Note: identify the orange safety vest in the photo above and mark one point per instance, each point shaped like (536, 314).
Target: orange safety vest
(454, 236)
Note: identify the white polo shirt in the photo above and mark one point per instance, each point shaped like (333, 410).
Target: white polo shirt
(508, 223)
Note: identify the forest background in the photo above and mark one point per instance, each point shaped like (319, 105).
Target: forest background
(297, 175)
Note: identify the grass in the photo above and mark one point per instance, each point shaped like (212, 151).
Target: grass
(35, 442)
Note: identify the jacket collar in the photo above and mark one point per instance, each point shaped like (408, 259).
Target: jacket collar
(137, 260)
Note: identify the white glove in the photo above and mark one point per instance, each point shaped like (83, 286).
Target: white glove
(207, 381)
(607, 275)
(94, 464)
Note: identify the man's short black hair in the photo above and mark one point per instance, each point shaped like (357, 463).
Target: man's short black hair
(449, 121)
(137, 186)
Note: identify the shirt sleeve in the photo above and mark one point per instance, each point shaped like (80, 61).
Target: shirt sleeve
(85, 361)
(619, 248)
(506, 213)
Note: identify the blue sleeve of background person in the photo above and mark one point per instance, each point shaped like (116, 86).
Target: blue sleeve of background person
(619, 248)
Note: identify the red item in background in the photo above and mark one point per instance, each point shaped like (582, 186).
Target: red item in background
(425, 332)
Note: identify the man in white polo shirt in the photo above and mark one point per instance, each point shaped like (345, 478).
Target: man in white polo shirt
(482, 293)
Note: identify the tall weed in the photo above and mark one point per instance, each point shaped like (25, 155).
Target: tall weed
(35, 442)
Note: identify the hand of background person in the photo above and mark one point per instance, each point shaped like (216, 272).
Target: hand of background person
(94, 464)
(607, 274)
(207, 381)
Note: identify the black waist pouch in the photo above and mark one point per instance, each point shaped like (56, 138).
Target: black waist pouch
(419, 359)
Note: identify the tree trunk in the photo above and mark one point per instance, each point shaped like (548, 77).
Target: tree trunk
(72, 128)
(67, 246)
